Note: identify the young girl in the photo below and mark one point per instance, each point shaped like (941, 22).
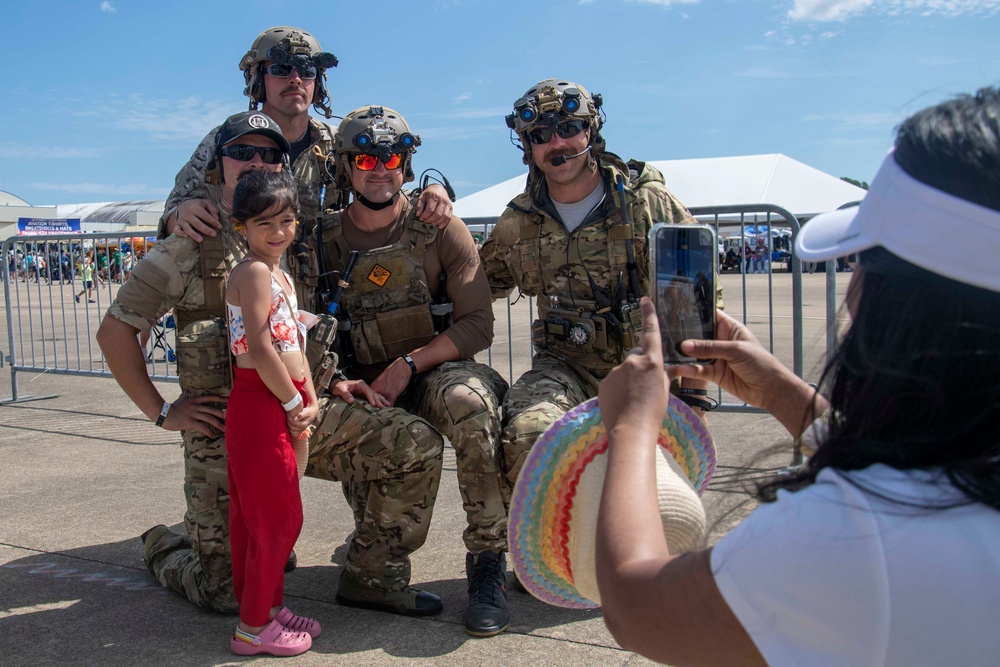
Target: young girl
(273, 399)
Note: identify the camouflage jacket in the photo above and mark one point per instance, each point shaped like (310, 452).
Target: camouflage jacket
(170, 277)
(587, 308)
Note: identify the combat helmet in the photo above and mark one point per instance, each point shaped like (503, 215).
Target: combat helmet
(550, 102)
(377, 131)
(287, 46)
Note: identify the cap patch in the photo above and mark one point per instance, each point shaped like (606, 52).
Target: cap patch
(257, 121)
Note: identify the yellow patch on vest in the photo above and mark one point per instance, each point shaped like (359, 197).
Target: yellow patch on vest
(379, 275)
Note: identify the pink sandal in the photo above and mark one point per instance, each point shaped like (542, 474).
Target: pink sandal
(274, 640)
(296, 623)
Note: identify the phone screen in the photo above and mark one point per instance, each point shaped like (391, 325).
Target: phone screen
(683, 279)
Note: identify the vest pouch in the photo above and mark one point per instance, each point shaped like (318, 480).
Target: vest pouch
(203, 360)
(392, 334)
(319, 339)
(538, 335)
(581, 338)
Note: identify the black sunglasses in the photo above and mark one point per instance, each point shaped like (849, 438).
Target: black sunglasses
(565, 129)
(245, 153)
(285, 71)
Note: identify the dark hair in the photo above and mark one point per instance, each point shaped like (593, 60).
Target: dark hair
(915, 381)
(259, 191)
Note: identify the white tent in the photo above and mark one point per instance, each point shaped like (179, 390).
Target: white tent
(750, 179)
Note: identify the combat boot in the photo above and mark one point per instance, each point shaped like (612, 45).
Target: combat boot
(408, 601)
(488, 613)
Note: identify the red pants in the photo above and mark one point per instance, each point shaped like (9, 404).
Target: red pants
(265, 508)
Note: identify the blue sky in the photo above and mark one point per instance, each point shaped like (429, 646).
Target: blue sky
(104, 101)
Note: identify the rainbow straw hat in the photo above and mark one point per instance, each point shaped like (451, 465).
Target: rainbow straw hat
(553, 514)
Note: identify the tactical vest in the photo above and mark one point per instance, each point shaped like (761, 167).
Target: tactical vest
(203, 359)
(310, 172)
(388, 300)
(592, 330)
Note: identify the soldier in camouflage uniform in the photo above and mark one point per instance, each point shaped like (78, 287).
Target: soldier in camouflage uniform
(565, 241)
(403, 472)
(285, 72)
(416, 311)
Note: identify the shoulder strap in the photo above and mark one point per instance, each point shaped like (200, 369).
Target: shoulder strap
(212, 266)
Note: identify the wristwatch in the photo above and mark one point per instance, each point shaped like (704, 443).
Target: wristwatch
(413, 367)
(163, 413)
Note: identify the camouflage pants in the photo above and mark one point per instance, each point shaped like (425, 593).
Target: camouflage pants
(539, 397)
(198, 565)
(390, 469)
(461, 399)
(390, 464)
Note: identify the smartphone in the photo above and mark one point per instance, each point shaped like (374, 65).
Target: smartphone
(682, 277)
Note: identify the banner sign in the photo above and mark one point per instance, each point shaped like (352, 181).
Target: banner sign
(27, 226)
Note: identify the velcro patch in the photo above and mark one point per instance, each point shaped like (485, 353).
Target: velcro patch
(379, 275)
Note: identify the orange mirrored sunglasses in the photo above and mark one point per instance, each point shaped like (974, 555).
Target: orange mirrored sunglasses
(366, 162)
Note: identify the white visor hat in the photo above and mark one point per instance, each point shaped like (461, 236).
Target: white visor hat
(927, 227)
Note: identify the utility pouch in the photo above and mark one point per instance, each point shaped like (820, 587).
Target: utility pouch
(631, 319)
(319, 338)
(203, 360)
(320, 352)
(393, 334)
(538, 335)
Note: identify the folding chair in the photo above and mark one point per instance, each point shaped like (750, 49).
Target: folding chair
(158, 336)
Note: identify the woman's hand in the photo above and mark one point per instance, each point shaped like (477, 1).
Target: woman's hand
(748, 371)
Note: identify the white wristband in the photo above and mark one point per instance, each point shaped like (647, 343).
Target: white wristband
(291, 405)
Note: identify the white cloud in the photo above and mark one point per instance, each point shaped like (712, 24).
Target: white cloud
(835, 10)
(462, 97)
(36, 151)
(108, 7)
(100, 188)
(183, 120)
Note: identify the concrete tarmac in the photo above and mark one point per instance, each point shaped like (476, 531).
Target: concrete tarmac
(85, 473)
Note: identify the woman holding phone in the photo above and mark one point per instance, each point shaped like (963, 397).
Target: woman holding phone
(885, 547)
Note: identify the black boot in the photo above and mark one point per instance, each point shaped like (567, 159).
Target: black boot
(488, 613)
(292, 561)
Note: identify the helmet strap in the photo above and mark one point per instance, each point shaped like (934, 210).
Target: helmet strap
(367, 203)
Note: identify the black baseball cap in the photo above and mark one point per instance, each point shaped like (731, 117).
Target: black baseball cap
(251, 122)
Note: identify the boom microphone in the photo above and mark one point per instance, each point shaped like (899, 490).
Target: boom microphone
(563, 159)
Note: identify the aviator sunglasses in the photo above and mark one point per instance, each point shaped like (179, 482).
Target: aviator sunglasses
(245, 153)
(566, 129)
(285, 71)
(365, 162)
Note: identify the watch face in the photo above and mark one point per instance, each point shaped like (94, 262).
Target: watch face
(578, 335)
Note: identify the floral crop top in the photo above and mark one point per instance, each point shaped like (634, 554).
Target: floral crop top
(284, 329)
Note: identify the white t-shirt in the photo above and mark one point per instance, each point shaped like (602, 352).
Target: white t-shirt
(834, 575)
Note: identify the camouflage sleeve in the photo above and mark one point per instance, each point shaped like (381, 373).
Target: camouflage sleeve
(494, 254)
(160, 281)
(190, 180)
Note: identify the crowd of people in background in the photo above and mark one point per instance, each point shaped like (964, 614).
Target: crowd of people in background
(49, 264)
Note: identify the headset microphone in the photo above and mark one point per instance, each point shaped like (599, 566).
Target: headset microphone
(563, 159)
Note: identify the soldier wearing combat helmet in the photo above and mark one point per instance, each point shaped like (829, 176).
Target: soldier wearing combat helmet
(576, 240)
(416, 311)
(285, 71)
(400, 472)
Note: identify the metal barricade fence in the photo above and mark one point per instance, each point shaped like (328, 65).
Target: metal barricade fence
(51, 325)
(52, 317)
